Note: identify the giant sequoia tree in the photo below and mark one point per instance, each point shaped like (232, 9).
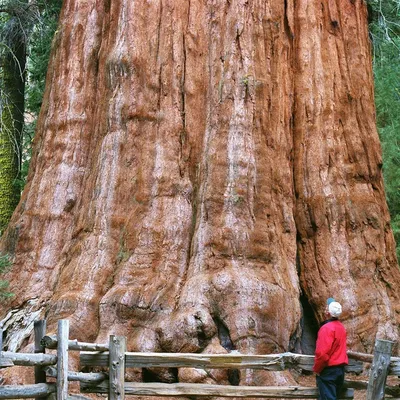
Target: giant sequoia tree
(199, 167)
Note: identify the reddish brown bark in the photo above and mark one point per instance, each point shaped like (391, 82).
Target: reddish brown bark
(346, 245)
(197, 165)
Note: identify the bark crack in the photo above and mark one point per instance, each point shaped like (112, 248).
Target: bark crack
(159, 30)
(287, 24)
(238, 34)
(182, 136)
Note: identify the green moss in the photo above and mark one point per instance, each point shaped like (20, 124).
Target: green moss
(9, 168)
(5, 265)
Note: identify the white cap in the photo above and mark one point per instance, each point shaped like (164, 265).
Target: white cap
(335, 309)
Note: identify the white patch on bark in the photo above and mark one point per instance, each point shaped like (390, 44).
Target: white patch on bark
(18, 324)
(241, 171)
(202, 234)
(106, 183)
(387, 328)
(241, 177)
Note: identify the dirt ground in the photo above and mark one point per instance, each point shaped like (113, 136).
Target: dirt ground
(309, 380)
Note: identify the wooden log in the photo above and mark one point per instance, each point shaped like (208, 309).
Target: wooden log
(50, 342)
(145, 360)
(379, 370)
(274, 362)
(87, 377)
(4, 362)
(62, 364)
(363, 385)
(270, 362)
(117, 367)
(355, 355)
(193, 389)
(26, 391)
(393, 391)
(359, 385)
(394, 367)
(306, 363)
(39, 328)
(30, 359)
(292, 360)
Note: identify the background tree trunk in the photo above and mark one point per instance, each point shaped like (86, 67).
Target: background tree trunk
(198, 166)
(12, 77)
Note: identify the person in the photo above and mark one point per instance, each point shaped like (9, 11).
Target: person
(331, 353)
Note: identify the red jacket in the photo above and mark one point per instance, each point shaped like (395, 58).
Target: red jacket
(331, 346)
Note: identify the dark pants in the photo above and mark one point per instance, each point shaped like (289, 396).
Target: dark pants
(330, 382)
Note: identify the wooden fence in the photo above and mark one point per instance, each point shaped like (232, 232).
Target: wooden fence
(114, 358)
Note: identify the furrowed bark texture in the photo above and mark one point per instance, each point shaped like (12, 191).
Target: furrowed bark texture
(198, 164)
(345, 242)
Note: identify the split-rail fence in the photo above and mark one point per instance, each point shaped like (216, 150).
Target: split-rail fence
(113, 358)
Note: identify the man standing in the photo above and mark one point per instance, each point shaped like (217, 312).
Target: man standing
(331, 353)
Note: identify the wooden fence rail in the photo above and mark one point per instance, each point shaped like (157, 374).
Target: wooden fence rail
(29, 359)
(50, 342)
(84, 377)
(113, 356)
(27, 391)
(269, 362)
(201, 389)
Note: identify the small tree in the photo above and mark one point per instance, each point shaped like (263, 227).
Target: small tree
(12, 106)
(26, 30)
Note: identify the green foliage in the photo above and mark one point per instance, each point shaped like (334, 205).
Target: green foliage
(5, 264)
(38, 58)
(39, 52)
(384, 20)
(385, 34)
(16, 23)
(36, 21)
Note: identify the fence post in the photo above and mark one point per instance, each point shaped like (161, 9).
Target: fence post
(117, 367)
(379, 370)
(62, 359)
(1, 337)
(4, 362)
(40, 332)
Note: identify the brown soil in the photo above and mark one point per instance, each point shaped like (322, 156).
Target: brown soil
(309, 380)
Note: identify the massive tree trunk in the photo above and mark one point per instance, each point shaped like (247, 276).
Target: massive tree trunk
(345, 242)
(200, 165)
